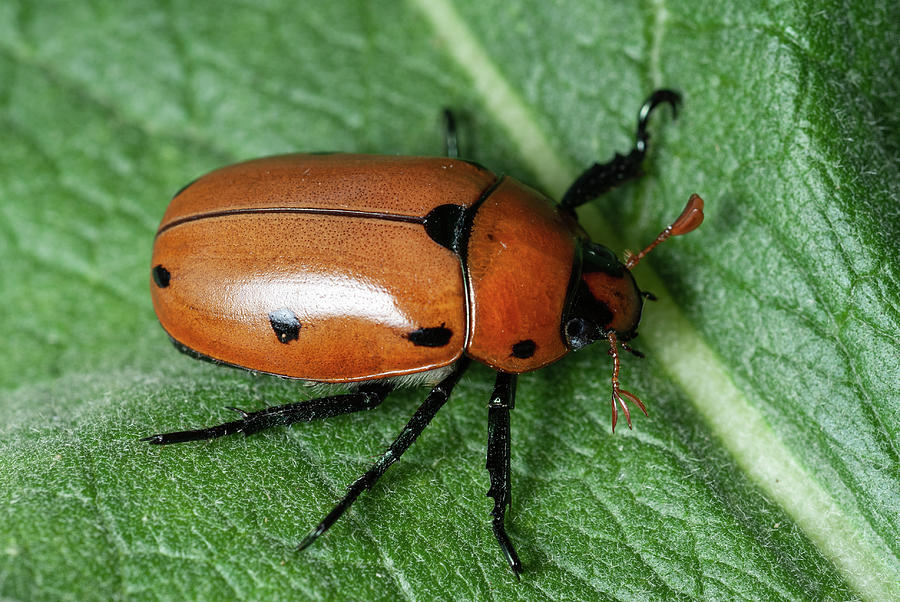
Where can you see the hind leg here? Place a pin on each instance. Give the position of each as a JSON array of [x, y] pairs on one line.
[[429, 408], [366, 398]]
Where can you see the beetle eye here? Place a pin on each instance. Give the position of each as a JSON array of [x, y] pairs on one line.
[[600, 252], [574, 328], [598, 258], [578, 334]]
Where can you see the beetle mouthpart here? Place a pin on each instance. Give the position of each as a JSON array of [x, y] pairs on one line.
[[617, 397], [632, 350], [690, 218], [618, 392]]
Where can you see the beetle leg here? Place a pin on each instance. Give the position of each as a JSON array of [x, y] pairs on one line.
[[602, 177], [451, 143], [618, 392], [435, 400], [498, 455], [366, 398], [632, 350]]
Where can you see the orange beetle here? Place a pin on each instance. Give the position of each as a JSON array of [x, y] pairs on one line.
[[377, 271]]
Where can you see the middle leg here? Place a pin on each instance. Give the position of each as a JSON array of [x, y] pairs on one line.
[[429, 408], [451, 144], [498, 454]]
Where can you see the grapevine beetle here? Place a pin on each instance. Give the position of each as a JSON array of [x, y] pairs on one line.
[[381, 271]]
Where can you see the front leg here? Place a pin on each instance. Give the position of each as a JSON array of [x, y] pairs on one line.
[[498, 453], [602, 177]]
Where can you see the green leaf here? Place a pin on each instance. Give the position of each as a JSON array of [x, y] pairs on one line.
[[769, 465]]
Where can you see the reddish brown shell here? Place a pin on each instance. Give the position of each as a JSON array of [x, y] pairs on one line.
[[621, 296], [317, 266], [520, 256]]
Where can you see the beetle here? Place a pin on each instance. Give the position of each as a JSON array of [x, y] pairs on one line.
[[381, 271]]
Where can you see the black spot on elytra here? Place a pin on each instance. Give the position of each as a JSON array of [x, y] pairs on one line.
[[444, 224], [285, 324], [161, 276], [524, 349], [436, 336]]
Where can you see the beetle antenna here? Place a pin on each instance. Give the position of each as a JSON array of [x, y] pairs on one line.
[[690, 218], [617, 391]]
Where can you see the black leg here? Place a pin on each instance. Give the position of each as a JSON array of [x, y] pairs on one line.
[[451, 144], [600, 178], [366, 398], [435, 400], [498, 451]]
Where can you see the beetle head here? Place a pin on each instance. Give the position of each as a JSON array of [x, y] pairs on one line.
[[606, 299]]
